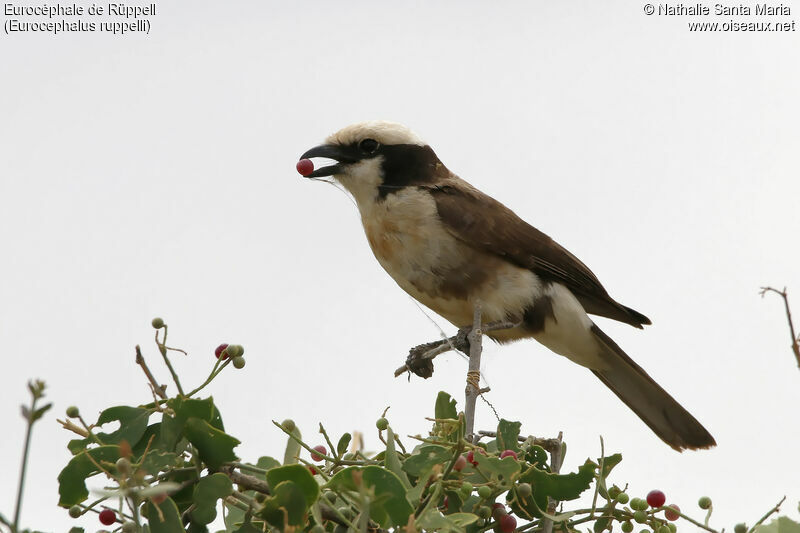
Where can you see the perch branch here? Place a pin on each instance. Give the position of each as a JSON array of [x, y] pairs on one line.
[[555, 467], [472, 391]]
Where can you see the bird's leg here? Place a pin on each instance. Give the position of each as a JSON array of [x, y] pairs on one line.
[[420, 358]]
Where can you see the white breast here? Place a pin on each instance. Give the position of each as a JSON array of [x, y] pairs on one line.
[[415, 248]]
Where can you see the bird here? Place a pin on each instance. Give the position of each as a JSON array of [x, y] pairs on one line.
[[449, 245]]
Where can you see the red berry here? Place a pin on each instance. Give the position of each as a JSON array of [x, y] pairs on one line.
[[460, 463], [671, 512], [316, 456], [305, 167], [312, 470], [508, 453], [445, 503], [107, 517], [471, 456], [498, 511], [158, 498], [507, 523], [656, 498], [218, 351]]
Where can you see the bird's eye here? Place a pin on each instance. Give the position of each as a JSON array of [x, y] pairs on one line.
[[368, 146]]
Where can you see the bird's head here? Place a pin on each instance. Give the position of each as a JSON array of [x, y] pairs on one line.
[[374, 159]]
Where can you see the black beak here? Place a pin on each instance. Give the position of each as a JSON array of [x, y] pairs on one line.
[[343, 154]]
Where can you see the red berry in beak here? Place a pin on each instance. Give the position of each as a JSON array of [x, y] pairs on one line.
[[305, 167]]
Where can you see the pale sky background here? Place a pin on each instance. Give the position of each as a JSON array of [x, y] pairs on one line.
[[153, 175]]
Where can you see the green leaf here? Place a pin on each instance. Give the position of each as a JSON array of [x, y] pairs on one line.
[[507, 435], [560, 487], [504, 470], [392, 460], [214, 446], [132, 426], [168, 521], [157, 460], [287, 505], [389, 508], [537, 456], [783, 524], [425, 458], [455, 522], [609, 463], [297, 474], [195, 527], [185, 408], [72, 479], [267, 463], [247, 527], [206, 493], [344, 442], [37, 414], [445, 406]]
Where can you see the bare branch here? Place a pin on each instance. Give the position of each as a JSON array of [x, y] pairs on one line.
[[795, 338], [159, 389], [473, 390]]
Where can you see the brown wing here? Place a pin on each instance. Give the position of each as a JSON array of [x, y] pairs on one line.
[[482, 222]]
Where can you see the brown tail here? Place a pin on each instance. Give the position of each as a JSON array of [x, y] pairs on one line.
[[665, 416]]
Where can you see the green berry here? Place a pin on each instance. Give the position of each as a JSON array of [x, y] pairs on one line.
[[288, 425], [158, 323], [704, 502], [123, 465], [330, 496], [73, 412], [740, 528], [622, 498], [672, 527], [613, 492], [346, 512], [484, 491], [484, 512], [233, 350], [645, 531], [238, 361], [382, 424], [524, 489], [129, 527], [466, 487], [638, 504], [317, 529], [640, 516], [75, 511], [664, 529], [627, 527]]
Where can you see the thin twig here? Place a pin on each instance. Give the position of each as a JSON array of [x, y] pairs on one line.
[[162, 348], [159, 389], [795, 338], [472, 390], [770, 512]]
